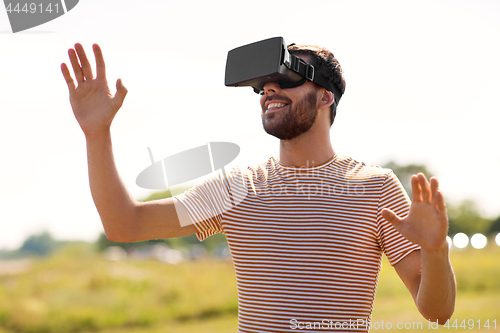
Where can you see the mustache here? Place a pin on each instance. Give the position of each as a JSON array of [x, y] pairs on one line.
[[277, 97]]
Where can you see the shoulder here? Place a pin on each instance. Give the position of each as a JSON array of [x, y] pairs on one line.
[[259, 171], [354, 169]]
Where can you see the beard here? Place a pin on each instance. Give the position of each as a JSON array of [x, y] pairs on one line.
[[291, 123]]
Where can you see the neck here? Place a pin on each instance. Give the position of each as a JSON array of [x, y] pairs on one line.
[[309, 149]]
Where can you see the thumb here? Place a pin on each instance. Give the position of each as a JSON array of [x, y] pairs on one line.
[[392, 218], [121, 91]]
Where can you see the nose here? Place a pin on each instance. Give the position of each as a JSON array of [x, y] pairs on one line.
[[271, 88]]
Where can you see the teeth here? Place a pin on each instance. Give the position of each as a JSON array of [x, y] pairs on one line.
[[275, 105]]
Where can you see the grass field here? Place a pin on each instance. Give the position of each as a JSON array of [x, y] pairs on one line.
[[478, 298], [76, 290]]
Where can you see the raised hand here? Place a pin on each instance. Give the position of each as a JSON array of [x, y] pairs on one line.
[[93, 104], [427, 222]]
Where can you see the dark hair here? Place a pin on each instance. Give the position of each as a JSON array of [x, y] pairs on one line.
[[325, 62]]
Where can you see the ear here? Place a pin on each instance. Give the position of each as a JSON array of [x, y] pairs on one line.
[[327, 98]]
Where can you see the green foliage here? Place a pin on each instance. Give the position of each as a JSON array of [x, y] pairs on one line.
[[476, 273], [158, 196], [214, 242], [11, 255], [210, 244], [404, 173], [163, 194], [76, 290], [464, 217], [467, 218], [41, 244], [103, 242], [495, 226]]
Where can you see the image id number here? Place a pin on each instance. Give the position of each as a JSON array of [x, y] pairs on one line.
[[32, 8], [471, 324]]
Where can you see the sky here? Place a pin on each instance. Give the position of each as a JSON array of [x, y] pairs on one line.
[[423, 80]]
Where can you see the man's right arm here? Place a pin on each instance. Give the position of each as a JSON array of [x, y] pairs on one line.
[[124, 219]]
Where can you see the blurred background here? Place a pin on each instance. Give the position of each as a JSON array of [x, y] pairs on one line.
[[422, 87]]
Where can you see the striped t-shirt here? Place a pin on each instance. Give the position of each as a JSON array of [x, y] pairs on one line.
[[306, 243]]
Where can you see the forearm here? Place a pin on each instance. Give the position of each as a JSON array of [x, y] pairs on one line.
[[115, 205], [436, 293]]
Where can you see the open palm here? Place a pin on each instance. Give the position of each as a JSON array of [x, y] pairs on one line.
[[427, 222], [93, 104]]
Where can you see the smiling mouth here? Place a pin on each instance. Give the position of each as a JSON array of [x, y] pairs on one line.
[[275, 106]]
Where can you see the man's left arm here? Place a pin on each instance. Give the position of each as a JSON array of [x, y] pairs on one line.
[[427, 273]]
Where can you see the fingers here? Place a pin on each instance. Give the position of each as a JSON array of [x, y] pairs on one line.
[[441, 206], [421, 189], [99, 60], [67, 77], [434, 191], [76, 66], [437, 196], [81, 65], [392, 218], [86, 69], [120, 88], [416, 191], [121, 92], [434, 185], [425, 187]]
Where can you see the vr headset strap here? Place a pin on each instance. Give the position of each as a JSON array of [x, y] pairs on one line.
[[307, 71]]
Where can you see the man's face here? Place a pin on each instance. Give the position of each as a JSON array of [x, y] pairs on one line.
[[288, 113]]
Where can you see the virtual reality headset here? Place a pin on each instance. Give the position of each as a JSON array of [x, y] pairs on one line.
[[268, 60]]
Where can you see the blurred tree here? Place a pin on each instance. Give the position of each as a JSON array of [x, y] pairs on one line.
[[495, 226], [211, 243], [41, 244], [467, 218], [214, 242], [103, 242], [158, 196], [404, 173]]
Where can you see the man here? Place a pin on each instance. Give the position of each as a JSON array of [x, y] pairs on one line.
[[309, 230]]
